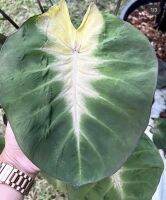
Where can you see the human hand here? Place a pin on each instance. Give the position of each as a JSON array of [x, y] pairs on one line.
[[12, 154]]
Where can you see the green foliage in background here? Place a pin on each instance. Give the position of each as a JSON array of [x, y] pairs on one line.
[[136, 180], [19, 11], [159, 131]]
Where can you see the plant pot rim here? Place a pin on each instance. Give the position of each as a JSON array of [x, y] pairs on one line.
[[131, 5], [161, 84], [127, 9]]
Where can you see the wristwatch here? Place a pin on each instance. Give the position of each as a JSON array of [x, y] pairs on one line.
[[15, 178]]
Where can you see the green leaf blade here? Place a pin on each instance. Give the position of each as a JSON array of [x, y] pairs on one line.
[[137, 179], [77, 100]]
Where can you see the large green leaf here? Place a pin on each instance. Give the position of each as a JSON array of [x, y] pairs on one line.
[[136, 180], [78, 100], [159, 134]]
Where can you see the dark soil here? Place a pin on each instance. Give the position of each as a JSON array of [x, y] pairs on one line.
[[144, 20]]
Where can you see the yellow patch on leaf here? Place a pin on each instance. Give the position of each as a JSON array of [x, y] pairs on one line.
[[66, 37], [73, 49]]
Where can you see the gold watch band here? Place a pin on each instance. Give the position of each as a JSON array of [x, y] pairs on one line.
[[15, 178]]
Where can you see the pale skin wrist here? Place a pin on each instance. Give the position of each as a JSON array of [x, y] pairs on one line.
[[6, 191], [13, 155], [23, 163]]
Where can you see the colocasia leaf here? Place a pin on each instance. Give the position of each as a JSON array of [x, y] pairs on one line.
[[159, 135], [78, 100], [137, 179]]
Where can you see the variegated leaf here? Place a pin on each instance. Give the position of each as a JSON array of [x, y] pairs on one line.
[[79, 99], [136, 180]]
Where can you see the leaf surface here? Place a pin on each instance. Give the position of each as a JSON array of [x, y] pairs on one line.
[[159, 134], [136, 180], [78, 100]]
